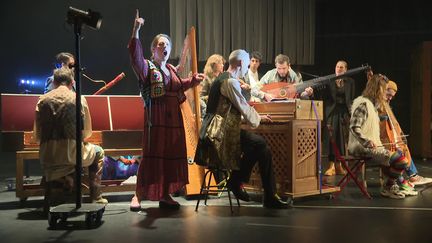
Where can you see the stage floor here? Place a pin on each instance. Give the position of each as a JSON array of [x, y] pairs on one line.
[[350, 218]]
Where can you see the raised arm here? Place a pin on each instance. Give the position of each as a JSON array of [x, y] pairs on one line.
[[137, 25], [139, 64]]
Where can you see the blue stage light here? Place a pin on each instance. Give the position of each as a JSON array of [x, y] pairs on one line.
[[31, 85]]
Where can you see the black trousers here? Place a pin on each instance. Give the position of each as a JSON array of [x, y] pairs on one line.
[[255, 149]]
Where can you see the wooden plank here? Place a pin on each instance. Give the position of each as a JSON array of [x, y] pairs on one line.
[[421, 101], [325, 190]]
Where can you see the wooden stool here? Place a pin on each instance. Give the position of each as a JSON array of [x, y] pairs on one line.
[[206, 188]]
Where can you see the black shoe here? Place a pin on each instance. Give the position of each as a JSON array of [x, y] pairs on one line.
[[276, 203], [238, 191], [169, 205], [135, 205], [135, 209]]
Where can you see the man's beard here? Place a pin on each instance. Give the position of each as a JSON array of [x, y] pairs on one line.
[[284, 78]]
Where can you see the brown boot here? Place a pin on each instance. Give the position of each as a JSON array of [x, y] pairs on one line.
[[340, 169], [331, 171]]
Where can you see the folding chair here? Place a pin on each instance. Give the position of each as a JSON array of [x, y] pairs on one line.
[[357, 163]]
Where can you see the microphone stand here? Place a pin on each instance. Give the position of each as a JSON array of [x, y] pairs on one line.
[[78, 164], [93, 212]]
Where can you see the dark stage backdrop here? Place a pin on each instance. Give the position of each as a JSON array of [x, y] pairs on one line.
[[381, 33], [34, 31]]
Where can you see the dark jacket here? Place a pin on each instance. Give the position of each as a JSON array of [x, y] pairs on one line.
[[328, 95]]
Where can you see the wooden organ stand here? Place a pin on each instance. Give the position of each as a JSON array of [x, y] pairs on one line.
[[293, 139]]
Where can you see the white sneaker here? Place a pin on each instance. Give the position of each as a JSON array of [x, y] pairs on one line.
[[392, 192], [418, 180], [406, 189]]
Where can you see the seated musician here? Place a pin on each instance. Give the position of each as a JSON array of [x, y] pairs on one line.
[[364, 137], [55, 130], [226, 92], [413, 177], [252, 78], [62, 59], [282, 73], [213, 68]]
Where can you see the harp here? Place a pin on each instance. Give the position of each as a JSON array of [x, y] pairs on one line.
[[191, 112]]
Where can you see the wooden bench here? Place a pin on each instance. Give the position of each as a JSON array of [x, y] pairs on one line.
[[24, 191], [117, 123]]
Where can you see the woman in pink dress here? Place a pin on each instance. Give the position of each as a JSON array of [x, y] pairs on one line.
[[163, 169]]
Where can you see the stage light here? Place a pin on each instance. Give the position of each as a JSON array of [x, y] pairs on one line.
[[90, 18], [30, 86]]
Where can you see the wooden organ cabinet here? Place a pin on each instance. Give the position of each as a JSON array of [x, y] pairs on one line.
[[420, 139], [293, 139]]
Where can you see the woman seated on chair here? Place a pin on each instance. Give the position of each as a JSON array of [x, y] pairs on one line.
[[364, 137]]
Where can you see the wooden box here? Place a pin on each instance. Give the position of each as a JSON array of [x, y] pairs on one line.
[[291, 109]]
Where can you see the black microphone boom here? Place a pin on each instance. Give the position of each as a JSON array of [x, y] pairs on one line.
[[90, 18]]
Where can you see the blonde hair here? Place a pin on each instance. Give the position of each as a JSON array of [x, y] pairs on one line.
[[375, 89], [392, 85], [210, 65], [281, 59]]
